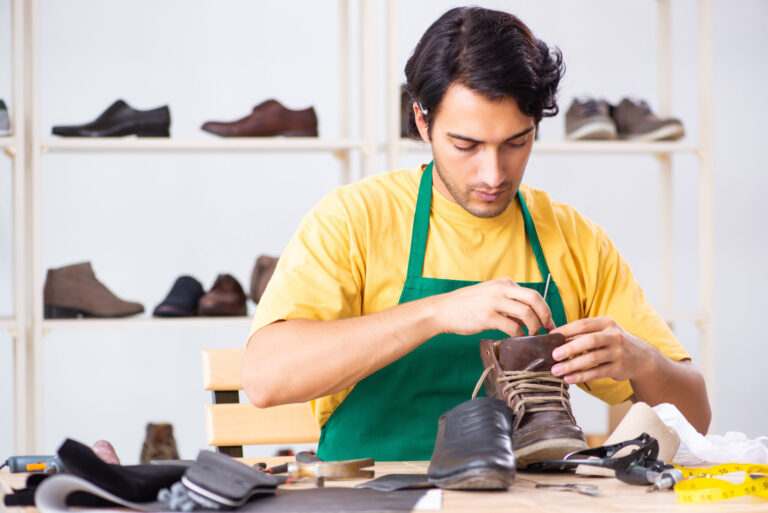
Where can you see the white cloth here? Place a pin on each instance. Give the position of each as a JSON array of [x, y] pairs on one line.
[[696, 449]]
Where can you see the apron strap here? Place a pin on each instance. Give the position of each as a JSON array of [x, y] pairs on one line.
[[421, 229], [420, 225], [533, 237]]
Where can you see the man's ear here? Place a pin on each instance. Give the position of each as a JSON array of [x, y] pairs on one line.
[[421, 123]]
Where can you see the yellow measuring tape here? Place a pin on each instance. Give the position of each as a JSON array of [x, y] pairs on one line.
[[699, 485]]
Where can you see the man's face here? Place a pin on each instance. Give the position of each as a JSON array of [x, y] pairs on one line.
[[480, 149]]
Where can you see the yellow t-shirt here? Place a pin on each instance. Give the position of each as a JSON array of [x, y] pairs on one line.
[[349, 257]]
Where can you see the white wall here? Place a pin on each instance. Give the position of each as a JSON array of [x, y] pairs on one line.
[[142, 220]]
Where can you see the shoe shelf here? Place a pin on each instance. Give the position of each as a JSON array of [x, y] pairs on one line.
[[230, 144], [243, 322], [587, 147]]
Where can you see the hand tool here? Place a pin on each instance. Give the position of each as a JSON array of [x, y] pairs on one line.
[[308, 465], [585, 489], [666, 480], [37, 464]]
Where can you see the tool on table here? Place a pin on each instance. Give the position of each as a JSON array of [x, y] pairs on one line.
[[586, 489], [38, 464], [666, 480], [309, 467], [639, 467]]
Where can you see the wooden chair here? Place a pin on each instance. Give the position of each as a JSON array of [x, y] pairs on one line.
[[230, 424]]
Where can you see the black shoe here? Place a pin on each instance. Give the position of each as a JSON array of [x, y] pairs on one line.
[[182, 300], [5, 123], [122, 119], [473, 449]]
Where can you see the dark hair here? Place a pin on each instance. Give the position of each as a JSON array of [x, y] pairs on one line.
[[490, 52]]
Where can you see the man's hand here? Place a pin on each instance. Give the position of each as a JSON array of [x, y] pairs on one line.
[[600, 349], [499, 304]]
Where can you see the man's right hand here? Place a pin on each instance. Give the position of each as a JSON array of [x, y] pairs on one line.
[[334, 355], [499, 304]]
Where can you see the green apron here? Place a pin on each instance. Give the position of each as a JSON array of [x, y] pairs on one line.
[[392, 414]]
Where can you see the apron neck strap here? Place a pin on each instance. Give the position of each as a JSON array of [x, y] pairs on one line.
[[421, 229]]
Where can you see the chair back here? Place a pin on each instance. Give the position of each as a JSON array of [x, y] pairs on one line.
[[230, 424]]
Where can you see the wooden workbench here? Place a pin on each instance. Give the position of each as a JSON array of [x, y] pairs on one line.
[[523, 496]]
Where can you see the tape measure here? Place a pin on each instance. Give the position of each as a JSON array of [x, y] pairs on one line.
[[700, 487]]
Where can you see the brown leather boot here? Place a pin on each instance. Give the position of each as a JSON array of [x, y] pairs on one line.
[[269, 118], [226, 297], [159, 444], [518, 371], [262, 272], [73, 291]]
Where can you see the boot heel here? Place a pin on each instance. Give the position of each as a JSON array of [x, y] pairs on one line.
[[153, 131], [60, 312]]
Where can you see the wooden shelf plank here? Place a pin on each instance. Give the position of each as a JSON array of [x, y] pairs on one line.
[[587, 147], [240, 322], [230, 144]]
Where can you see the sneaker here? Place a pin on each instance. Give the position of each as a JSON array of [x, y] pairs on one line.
[[636, 122], [517, 370], [589, 120]]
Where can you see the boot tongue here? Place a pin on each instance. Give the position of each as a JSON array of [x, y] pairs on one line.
[[529, 353]]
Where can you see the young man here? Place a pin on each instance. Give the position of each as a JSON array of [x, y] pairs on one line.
[[378, 303]]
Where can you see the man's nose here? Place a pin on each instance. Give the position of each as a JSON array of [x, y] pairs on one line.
[[490, 172]]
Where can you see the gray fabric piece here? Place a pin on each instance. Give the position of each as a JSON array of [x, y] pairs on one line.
[[342, 500], [392, 482], [52, 493]]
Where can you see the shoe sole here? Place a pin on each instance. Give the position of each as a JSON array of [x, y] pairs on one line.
[[60, 312], [546, 450], [600, 130], [477, 479], [665, 133]]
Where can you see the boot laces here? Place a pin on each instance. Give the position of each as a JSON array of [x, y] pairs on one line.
[[533, 388]]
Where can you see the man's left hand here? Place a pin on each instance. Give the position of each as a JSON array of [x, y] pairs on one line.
[[600, 349]]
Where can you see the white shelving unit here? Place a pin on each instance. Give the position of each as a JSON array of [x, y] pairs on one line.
[[28, 325], [662, 151], [27, 149]]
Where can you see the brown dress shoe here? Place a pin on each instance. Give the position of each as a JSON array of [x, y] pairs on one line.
[[73, 291], [159, 444], [518, 371], [268, 119], [262, 272], [226, 297]]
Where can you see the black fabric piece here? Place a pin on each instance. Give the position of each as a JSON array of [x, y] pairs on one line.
[[26, 496], [340, 500], [136, 483], [392, 482]]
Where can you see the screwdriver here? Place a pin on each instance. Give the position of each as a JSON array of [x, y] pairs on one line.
[[38, 464]]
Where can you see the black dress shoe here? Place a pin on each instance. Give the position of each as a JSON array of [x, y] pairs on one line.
[[182, 300], [122, 119], [473, 449]]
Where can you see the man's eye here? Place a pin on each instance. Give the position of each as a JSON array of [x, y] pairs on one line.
[[519, 143], [465, 148]]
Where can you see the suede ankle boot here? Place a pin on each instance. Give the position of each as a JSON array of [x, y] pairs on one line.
[[73, 291], [518, 371]]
